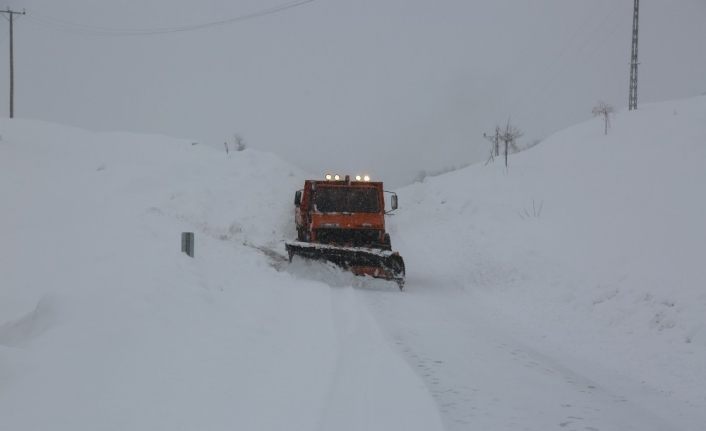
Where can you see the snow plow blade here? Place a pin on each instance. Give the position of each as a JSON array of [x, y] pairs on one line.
[[374, 262]]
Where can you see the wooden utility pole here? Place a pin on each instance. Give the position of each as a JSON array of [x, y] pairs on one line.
[[11, 14]]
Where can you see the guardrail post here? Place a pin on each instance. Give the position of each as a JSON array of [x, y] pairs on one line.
[[187, 243]]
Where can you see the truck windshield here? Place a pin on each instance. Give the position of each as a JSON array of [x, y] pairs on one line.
[[346, 200]]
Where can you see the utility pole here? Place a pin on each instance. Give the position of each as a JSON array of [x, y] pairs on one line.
[[495, 140], [632, 103], [11, 14]]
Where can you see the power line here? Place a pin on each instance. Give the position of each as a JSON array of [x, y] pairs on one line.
[[545, 92], [126, 32], [552, 69]]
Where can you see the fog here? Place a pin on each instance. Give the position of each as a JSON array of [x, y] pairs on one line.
[[385, 87]]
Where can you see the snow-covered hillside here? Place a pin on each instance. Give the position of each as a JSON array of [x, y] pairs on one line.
[[566, 293], [590, 247]]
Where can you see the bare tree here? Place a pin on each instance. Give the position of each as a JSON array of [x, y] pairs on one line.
[[508, 136], [419, 178], [239, 142], [605, 110]]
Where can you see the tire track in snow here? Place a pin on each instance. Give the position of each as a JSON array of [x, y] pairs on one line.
[[371, 386], [483, 378], [32, 324]]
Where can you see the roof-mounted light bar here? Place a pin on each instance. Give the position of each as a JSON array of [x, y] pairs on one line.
[[337, 177]]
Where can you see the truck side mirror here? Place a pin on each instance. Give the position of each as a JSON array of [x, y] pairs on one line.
[[298, 198], [393, 202]]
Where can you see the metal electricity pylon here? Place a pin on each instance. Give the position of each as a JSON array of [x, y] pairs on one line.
[[11, 14], [632, 103]]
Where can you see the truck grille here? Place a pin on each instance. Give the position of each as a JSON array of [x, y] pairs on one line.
[[353, 237]]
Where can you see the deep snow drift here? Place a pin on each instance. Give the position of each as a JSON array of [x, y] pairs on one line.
[[566, 293]]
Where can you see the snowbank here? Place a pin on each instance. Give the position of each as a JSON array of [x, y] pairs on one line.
[[591, 246], [105, 324]]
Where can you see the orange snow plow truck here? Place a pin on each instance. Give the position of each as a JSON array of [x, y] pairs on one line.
[[342, 221]]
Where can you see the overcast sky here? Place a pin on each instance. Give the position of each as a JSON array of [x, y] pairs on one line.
[[388, 87]]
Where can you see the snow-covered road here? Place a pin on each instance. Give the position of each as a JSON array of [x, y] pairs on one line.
[[370, 388], [484, 376]]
